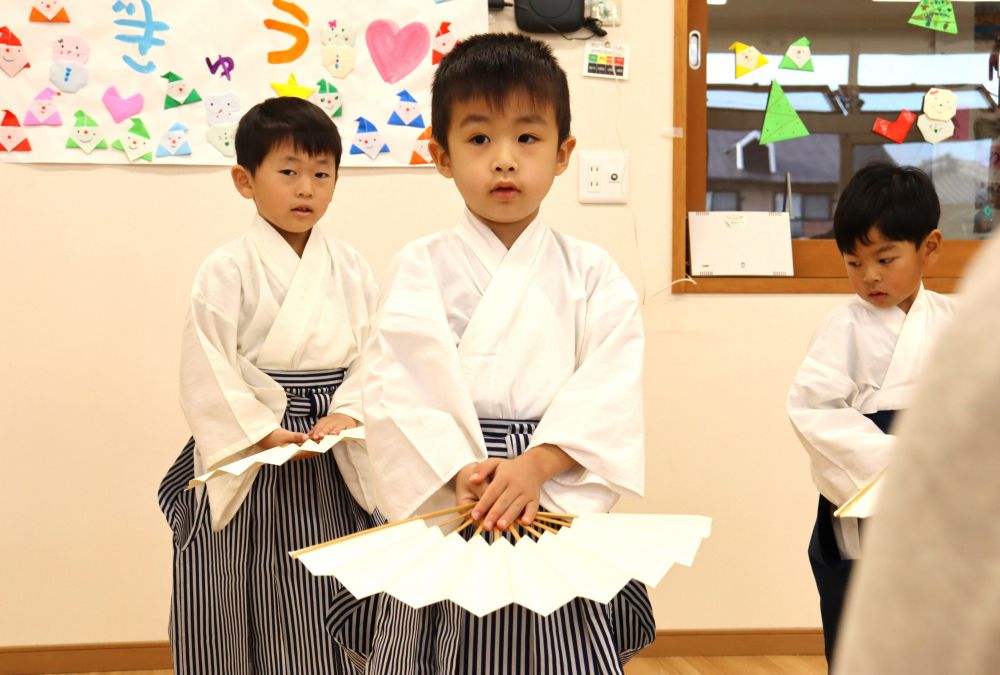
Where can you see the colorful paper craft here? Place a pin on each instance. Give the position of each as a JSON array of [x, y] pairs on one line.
[[292, 88], [798, 56], [396, 52], [179, 92], [444, 42], [222, 109], [421, 149], [71, 49], [936, 15], [407, 112], [13, 138], [135, 143], [328, 98], [339, 60], [895, 131], [367, 140], [48, 11], [748, 59], [42, 111], [781, 122], [122, 108], [338, 32], [935, 131], [940, 104], [223, 139], [87, 134], [174, 143], [12, 57]]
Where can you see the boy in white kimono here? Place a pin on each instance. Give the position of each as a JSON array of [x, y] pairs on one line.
[[277, 321], [505, 370], [865, 358]]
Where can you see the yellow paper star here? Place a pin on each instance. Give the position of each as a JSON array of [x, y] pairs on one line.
[[292, 88]]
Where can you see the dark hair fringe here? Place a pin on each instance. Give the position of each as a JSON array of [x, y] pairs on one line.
[[285, 119], [899, 201], [493, 67]]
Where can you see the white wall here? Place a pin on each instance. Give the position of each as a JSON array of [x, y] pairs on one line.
[[95, 266]]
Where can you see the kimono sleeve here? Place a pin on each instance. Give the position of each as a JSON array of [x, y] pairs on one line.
[[597, 415], [363, 303], [846, 449], [228, 402]]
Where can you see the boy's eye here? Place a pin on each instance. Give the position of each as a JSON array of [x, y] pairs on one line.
[[853, 263], [527, 138], [885, 261], [287, 172], [479, 139], [322, 174]]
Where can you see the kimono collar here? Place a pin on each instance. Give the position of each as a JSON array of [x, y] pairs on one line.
[[487, 246], [276, 253], [894, 314]]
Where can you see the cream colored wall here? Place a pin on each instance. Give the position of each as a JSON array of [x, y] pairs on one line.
[[95, 265]]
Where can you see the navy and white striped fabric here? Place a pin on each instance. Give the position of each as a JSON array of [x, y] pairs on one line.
[[582, 638], [240, 603]]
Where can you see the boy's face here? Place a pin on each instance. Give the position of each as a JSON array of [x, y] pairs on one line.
[[503, 161], [291, 189], [886, 272]]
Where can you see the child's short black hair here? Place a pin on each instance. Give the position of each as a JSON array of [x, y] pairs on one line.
[[898, 200], [492, 67], [285, 119]]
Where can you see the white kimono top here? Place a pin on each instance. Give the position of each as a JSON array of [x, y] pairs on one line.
[[925, 599], [862, 359], [549, 330], [257, 306]]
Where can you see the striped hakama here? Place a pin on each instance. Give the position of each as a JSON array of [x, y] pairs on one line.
[[583, 638], [240, 603]]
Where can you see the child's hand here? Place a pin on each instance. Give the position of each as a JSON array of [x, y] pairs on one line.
[[281, 436], [331, 425], [467, 492]]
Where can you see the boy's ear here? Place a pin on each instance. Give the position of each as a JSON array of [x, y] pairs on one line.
[[932, 247], [441, 158], [563, 154], [243, 181]]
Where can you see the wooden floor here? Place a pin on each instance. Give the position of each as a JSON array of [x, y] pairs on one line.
[[681, 665]]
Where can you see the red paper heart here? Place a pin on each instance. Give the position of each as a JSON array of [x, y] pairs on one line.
[[895, 131]]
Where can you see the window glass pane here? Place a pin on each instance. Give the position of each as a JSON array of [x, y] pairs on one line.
[[868, 62]]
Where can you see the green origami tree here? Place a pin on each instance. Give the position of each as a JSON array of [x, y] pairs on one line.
[[781, 122], [935, 15]]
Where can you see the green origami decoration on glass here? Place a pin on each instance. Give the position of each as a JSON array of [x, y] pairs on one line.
[[798, 56], [935, 15], [781, 122]]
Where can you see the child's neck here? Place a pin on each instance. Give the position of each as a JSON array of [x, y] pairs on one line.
[[508, 234], [297, 240]]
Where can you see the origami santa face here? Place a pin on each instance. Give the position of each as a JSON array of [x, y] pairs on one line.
[[12, 58], [174, 142], [369, 143], [422, 150], [43, 110], [71, 49], [136, 147], [13, 139], [223, 139], [222, 109], [444, 43], [940, 104], [178, 90], [338, 33], [329, 102], [48, 10], [88, 139]]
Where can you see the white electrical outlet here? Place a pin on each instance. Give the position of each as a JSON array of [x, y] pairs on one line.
[[603, 177]]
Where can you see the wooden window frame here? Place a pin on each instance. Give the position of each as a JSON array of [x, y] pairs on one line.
[[818, 265]]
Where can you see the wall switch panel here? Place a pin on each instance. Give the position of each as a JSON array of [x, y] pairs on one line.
[[603, 177]]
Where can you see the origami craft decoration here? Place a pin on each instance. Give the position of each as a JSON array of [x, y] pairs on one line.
[[936, 15], [444, 41], [13, 138], [781, 122], [292, 88], [328, 98], [174, 143], [421, 149], [895, 131], [223, 139], [48, 11], [12, 57], [122, 108], [407, 112], [222, 109], [368, 140], [748, 59], [42, 110], [135, 143], [558, 558], [798, 56], [179, 92], [87, 134]]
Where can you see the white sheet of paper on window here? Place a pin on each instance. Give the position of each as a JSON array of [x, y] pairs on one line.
[[740, 243]]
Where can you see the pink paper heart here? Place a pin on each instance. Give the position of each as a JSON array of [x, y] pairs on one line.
[[122, 108], [396, 52]]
